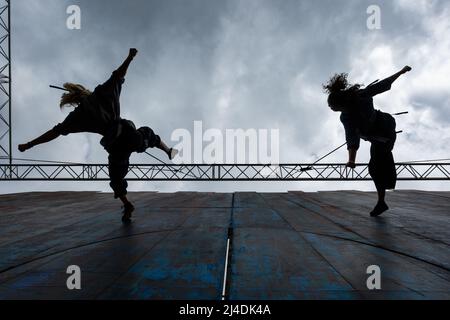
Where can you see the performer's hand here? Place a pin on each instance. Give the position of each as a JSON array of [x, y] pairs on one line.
[[351, 165], [133, 53], [406, 69], [23, 147]]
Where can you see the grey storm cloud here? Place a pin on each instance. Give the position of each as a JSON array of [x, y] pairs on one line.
[[232, 64]]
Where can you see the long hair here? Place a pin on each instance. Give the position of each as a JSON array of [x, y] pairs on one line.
[[72, 98], [340, 91], [339, 82]]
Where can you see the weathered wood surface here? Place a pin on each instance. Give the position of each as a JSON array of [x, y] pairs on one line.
[[284, 245]]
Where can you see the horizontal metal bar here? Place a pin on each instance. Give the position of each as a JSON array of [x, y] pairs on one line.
[[284, 165], [219, 172]]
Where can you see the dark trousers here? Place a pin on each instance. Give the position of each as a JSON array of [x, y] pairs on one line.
[[382, 166]]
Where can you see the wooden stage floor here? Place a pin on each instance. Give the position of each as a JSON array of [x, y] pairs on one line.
[[283, 246]]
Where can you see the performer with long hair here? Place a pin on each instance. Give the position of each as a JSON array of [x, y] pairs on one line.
[[99, 112], [361, 120]]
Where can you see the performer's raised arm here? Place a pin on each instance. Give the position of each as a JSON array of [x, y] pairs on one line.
[[122, 70], [385, 85], [395, 76]]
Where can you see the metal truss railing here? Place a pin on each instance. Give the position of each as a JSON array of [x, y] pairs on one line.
[[5, 80], [218, 172]]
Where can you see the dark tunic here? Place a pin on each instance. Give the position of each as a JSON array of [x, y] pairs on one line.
[[98, 112], [363, 121]]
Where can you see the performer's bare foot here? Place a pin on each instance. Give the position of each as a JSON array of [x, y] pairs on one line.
[[379, 209], [172, 153], [128, 209]]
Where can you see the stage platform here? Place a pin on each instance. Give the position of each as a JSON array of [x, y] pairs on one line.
[[291, 245]]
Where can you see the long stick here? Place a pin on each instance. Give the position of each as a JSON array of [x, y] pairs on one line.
[[330, 153], [156, 158], [59, 88]]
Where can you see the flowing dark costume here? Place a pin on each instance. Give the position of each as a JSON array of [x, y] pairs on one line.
[[363, 121], [100, 113]]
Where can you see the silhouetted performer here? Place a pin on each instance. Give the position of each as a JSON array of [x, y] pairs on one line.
[[99, 112], [361, 120]]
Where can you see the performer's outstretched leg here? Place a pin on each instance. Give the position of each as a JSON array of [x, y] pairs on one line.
[[152, 140], [46, 137]]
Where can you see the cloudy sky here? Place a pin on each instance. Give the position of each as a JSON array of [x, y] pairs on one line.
[[233, 64]]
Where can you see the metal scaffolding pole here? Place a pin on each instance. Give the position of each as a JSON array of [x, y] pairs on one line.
[[5, 82], [10, 82]]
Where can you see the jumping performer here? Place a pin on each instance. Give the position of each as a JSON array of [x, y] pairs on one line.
[[361, 120], [99, 112]]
